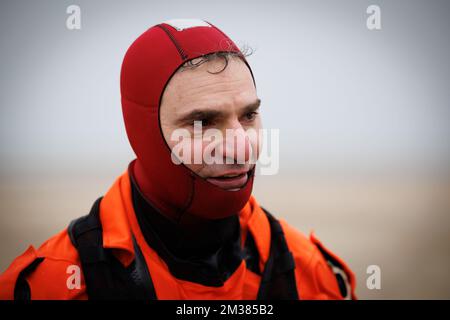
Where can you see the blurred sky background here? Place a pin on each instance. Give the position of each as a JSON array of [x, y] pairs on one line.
[[364, 119]]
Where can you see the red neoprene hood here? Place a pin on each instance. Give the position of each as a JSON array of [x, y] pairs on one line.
[[147, 68]]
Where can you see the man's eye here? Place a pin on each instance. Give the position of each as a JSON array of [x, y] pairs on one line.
[[203, 122], [251, 116]]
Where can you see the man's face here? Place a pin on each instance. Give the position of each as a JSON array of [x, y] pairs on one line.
[[225, 102]]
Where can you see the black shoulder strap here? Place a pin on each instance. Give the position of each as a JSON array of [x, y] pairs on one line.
[[105, 277], [278, 279]]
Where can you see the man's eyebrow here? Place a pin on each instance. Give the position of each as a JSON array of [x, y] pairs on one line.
[[199, 114], [252, 107], [209, 114]]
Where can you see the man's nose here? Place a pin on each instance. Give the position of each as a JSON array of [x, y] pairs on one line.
[[237, 144]]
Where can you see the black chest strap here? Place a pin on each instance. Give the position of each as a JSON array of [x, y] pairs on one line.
[[107, 279], [278, 278]]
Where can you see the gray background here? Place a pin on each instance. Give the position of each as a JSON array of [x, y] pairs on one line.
[[364, 121]]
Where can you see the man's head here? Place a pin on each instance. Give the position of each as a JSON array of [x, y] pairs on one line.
[[169, 80], [218, 94]]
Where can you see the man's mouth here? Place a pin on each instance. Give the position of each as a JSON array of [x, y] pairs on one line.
[[230, 181]]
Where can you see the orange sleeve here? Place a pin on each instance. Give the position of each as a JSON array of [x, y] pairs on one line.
[[58, 276], [348, 274], [57, 280], [8, 278], [314, 277]]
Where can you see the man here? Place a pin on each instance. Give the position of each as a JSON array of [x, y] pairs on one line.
[[170, 227]]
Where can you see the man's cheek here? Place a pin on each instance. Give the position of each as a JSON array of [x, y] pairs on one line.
[[255, 140], [184, 148], [255, 151]]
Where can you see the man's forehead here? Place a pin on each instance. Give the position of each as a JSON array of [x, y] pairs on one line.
[[203, 80], [228, 90]]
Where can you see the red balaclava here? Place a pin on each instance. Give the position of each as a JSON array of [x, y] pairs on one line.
[[149, 64]]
